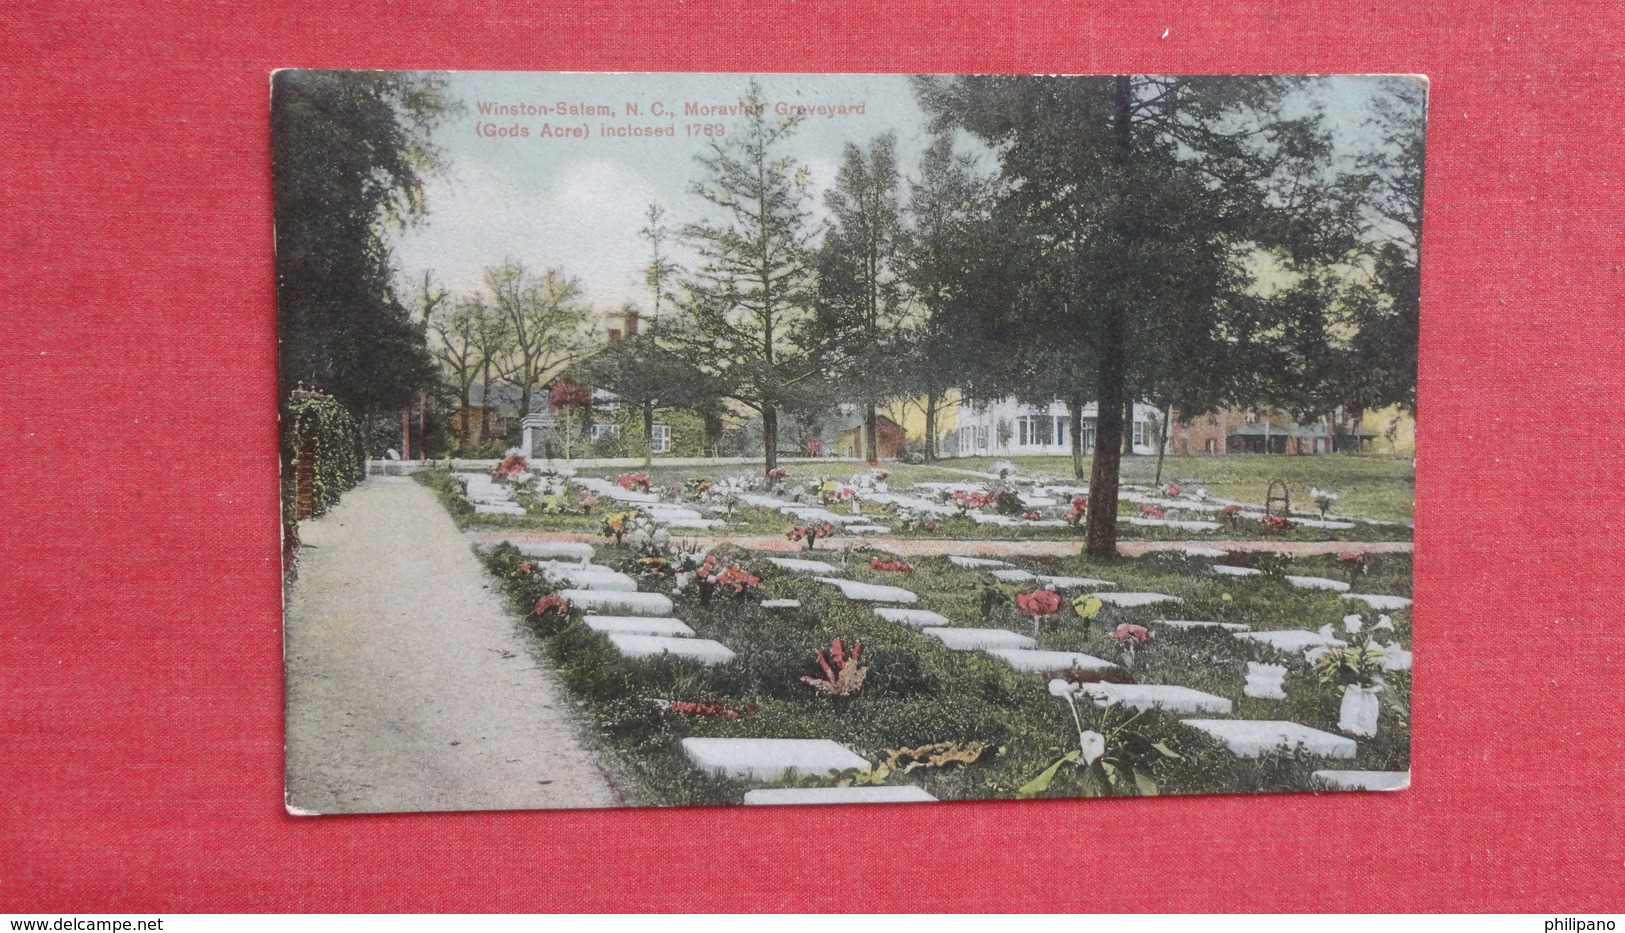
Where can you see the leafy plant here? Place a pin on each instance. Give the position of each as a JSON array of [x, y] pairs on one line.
[[843, 674], [1350, 666]]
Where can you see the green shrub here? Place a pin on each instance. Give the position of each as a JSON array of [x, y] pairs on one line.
[[318, 423]]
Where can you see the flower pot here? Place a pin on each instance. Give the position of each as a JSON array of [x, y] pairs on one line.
[[1358, 715]]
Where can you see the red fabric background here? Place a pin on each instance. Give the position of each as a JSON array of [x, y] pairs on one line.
[[140, 654]]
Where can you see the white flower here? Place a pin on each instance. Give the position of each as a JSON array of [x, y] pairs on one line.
[[1385, 622], [1326, 631], [1092, 745], [1352, 622], [1062, 688]]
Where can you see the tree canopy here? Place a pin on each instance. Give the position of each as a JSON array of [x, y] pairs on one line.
[[349, 152]]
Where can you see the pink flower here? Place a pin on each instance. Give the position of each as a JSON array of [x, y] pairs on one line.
[[1038, 603], [1152, 511], [554, 605], [1127, 632]]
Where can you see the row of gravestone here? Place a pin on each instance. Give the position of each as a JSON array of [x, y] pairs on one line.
[[641, 626]]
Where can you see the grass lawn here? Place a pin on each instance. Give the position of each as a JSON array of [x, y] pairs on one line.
[[917, 692]]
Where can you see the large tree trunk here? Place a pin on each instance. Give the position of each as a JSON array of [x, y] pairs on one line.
[[930, 449], [770, 436], [485, 406], [1162, 441], [871, 431], [713, 433], [1103, 480], [1074, 418], [648, 431], [1128, 422]]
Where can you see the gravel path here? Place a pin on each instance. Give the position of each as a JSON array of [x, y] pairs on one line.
[[409, 686]]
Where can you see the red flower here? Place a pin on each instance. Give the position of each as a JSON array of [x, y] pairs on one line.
[[634, 482], [1129, 632], [1172, 490], [1351, 557], [510, 467], [898, 566], [1152, 511], [1031, 516], [1277, 523], [525, 567], [1039, 603], [551, 604], [1229, 512]]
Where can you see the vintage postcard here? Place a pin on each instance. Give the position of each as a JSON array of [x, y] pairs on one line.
[[676, 439]]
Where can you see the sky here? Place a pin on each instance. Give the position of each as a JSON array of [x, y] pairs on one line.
[[577, 204]]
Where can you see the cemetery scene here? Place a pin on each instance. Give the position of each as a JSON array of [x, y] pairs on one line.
[[844, 439]]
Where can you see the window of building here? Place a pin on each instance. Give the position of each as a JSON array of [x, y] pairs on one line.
[[602, 430], [1060, 430], [1212, 446], [1140, 434], [1035, 431], [1088, 435], [660, 439]]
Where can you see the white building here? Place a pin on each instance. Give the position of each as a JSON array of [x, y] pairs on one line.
[[1008, 427]]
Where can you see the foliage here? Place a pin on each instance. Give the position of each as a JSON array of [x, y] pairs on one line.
[[843, 672], [747, 318], [1351, 665], [349, 153], [318, 422]]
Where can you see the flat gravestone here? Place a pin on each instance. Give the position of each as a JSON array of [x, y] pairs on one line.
[[975, 563], [637, 625], [803, 566], [1225, 570], [1170, 699], [666, 513], [601, 581], [703, 650], [781, 604], [481, 508], [1253, 738], [1031, 661], [1072, 583], [972, 639], [1188, 624], [606, 602], [1174, 523], [1293, 639], [1203, 552], [692, 522], [1380, 602], [1013, 576], [982, 519], [769, 759], [1316, 583], [556, 550], [1130, 600], [1365, 780], [791, 796], [1323, 523], [868, 530], [870, 592], [913, 618]]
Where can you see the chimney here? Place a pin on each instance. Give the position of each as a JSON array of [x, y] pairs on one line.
[[631, 322], [614, 335]]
